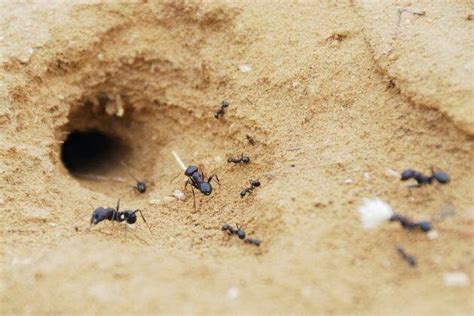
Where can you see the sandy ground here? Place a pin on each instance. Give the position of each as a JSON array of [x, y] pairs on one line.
[[339, 98]]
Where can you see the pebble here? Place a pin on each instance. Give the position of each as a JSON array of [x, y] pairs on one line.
[[432, 234], [245, 68], [366, 176], [456, 279], [348, 181], [233, 293]]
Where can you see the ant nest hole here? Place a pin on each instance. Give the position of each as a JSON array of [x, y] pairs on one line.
[[106, 142]]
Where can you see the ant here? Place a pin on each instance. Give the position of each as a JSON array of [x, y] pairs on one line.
[[252, 241], [409, 224], [243, 158], [221, 111], [140, 186], [239, 232], [115, 215], [421, 179], [196, 180], [250, 139], [253, 185], [232, 231], [411, 260]]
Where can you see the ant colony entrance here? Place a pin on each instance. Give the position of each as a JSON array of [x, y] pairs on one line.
[[105, 145]]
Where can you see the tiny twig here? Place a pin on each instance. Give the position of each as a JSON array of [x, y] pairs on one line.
[[179, 161]]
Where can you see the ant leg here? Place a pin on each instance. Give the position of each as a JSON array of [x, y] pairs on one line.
[[118, 205], [194, 197], [189, 181], [143, 217], [172, 180], [217, 179]]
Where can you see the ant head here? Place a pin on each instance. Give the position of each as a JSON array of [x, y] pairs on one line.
[[99, 215], [241, 233], [205, 188], [441, 177], [141, 187], [225, 227], [407, 174], [255, 183], [225, 104], [245, 159], [130, 216]]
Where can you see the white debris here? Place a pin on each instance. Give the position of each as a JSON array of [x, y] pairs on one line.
[[374, 212], [179, 195], [348, 181], [456, 279], [233, 293], [432, 234], [366, 176], [100, 57], [245, 68], [120, 108]]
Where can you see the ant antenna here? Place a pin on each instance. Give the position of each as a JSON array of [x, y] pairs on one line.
[[128, 170], [179, 161], [143, 217]]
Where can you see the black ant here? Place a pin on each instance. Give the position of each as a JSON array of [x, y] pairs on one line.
[[196, 180], [250, 139], [409, 224], [421, 179], [232, 231], [242, 159], [115, 215], [140, 186], [253, 185], [252, 241], [239, 232], [221, 110], [411, 260]]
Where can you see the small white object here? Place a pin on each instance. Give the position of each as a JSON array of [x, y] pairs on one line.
[[245, 68], [374, 212], [179, 161], [179, 195], [100, 57], [366, 176], [233, 293], [432, 234], [456, 279], [348, 181]]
